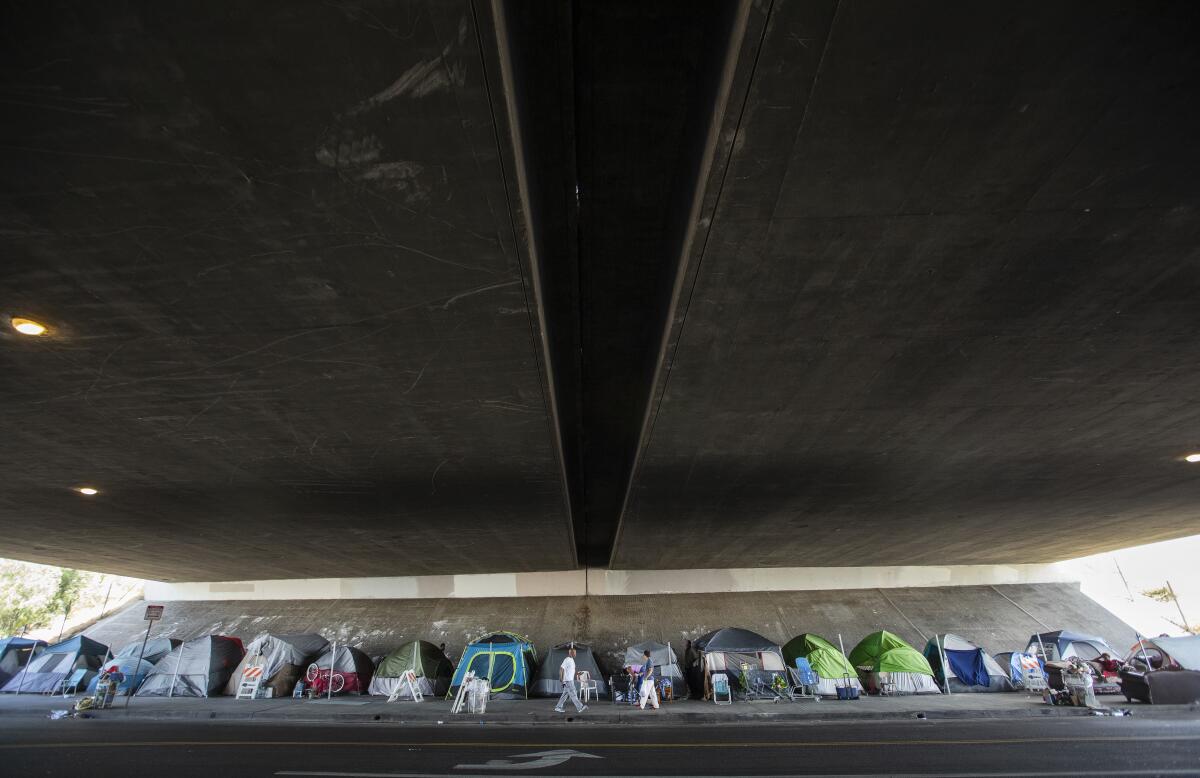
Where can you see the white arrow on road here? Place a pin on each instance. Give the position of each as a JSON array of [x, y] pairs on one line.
[[540, 759]]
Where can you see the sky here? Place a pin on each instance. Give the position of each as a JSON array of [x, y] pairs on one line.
[[1145, 567]]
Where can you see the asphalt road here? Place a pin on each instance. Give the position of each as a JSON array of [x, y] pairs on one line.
[[1059, 746]]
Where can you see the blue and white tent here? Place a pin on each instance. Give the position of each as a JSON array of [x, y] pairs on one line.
[[47, 669], [506, 659], [15, 653], [1061, 645], [967, 667]]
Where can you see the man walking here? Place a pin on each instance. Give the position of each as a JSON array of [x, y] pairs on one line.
[[647, 692], [566, 674]]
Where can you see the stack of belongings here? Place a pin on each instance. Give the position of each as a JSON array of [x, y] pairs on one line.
[[750, 662], [57, 663], [15, 653], [1018, 664], [349, 668], [832, 667], [125, 663], [430, 666], [198, 668], [666, 666], [967, 667], [283, 660], [886, 663]]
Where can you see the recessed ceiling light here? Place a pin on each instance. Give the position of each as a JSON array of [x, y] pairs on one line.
[[89, 491], [28, 327], [1193, 457]]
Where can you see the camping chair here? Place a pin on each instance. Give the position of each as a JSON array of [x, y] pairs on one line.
[[722, 694], [1034, 680], [70, 685], [804, 679], [588, 687]]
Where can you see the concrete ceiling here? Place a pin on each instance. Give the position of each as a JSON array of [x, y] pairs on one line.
[[388, 288]]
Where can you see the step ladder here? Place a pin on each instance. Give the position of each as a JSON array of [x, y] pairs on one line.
[[409, 680], [251, 683]]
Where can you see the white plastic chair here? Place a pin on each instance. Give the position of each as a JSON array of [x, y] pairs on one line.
[[588, 687]]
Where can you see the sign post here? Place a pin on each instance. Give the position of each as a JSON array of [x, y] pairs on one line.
[[153, 614]]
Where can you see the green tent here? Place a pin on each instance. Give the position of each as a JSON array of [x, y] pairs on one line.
[[829, 663], [428, 662], [887, 662]]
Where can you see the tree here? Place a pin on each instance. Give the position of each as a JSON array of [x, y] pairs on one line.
[[24, 600], [1166, 595]]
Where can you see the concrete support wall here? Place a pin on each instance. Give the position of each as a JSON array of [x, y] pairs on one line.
[[998, 617], [611, 582]]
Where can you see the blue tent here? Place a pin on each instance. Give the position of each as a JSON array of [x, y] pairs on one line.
[[46, 670], [132, 672], [14, 654], [506, 659], [1061, 645], [970, 668]]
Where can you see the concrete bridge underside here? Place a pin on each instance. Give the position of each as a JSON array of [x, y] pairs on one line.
[[380, 288]]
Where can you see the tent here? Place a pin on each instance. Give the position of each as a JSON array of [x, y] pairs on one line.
[[883, 658], [128, 666], [666, 664], [56, 663], [971, 669], [1061, 645], [547, 684], [1163, 671], [1181, 653], [197, 668], [506, 659], [1017, 663], [428, 662], [830, 664], [351, 666], [15, 653], [283, 658], [745, 657], [155, 650]]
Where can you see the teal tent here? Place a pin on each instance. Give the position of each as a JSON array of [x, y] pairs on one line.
[[506, 659]]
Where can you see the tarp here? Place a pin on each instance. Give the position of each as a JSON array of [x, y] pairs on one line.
[[666, 664], [156, 649], [1016, 663], [430, 664], [133, 672], [504, 658], [44, 672], [1062, 644], [547, 683], [197, 668], [971, 668], [15, 652], [283, 658], [350, 664], [829, 663]]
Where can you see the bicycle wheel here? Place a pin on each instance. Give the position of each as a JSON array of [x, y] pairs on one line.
[[311, 675], [337, 682]]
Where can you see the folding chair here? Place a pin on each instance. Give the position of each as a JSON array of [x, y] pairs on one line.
[[70, 686], [804, 679], [722, 694]]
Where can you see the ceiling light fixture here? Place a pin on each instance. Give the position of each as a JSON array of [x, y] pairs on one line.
[[28, 327], [89, 491], [1193, 457]]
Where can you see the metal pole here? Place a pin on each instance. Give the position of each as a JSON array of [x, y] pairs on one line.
[[28, 662], [1142, 646], [332, 663], [175, 675], [107, 594], [138, 666], [945, 663], [1186, 627], [63, 626]]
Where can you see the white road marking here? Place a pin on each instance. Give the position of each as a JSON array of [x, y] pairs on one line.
[[540, 759]]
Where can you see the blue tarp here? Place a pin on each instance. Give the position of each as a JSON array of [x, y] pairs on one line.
[[126, 666], [969, 667]]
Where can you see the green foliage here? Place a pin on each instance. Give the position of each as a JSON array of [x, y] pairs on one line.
[[25, 595], [1161, 594], [71, 584]]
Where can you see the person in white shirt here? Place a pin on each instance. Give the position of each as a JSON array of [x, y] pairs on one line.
[[566, 674]]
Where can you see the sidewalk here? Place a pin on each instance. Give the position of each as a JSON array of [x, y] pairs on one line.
[[540, 711]]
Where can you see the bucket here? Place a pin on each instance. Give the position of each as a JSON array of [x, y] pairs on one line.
[[848, 691]]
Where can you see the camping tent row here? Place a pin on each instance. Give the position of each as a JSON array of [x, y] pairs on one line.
[[77, 659]]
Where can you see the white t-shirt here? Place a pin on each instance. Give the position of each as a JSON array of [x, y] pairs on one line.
[[568, 669]]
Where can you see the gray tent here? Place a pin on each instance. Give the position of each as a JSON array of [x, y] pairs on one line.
[[547, 683], [156, 649], [666, 664], [283, 658], [198, 668]]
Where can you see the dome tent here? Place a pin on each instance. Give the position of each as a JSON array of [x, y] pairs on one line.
[[666, 664], [56, 663], [350, 668], [968, 668], [126, 662], [745, 658], [547, 683], [15, 653], [198, 668], [506, 659], [883, 658], [827, 661], [429, 664], [283, 658]]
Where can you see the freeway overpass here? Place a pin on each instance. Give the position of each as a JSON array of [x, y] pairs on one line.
[[417, 288]]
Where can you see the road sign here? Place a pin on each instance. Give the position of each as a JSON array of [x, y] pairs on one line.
[[154, 612]]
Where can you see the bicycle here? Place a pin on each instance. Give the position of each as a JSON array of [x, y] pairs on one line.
[[326, 679]]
